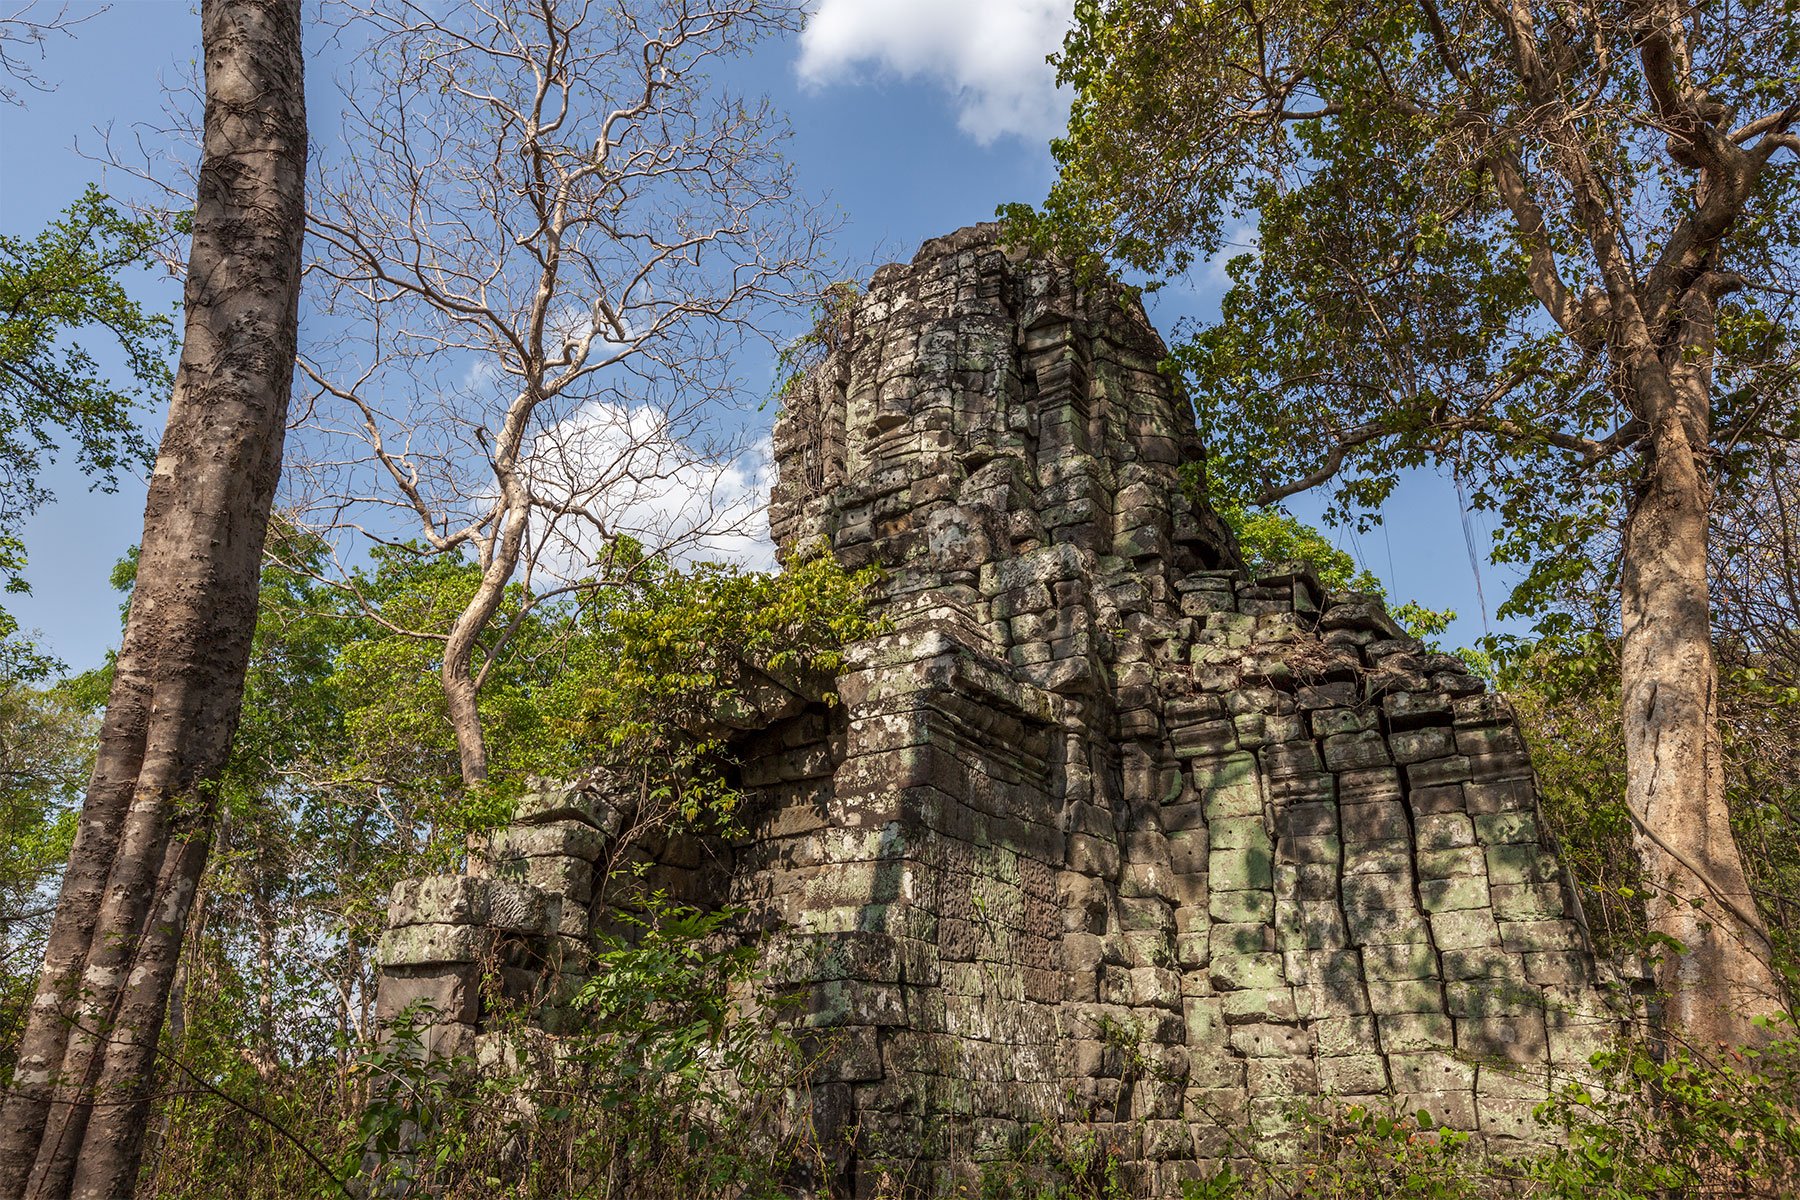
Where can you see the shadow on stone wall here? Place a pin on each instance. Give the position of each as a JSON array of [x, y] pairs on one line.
[[1103, 832]]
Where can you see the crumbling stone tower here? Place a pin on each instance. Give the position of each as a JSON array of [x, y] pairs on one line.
[[1103, 832]]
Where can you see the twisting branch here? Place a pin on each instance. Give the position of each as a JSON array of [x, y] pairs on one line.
[[551, 236]]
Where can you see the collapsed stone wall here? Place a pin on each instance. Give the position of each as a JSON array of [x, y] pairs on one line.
[[1103, 832]]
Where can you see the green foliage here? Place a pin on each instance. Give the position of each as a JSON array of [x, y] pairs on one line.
[[673, 651], [397, 730], [831, 323], [344, 778], [60, 285], [1635, 1129], [1676, 1127], [46, 753], [58, 290], [1564, 688], [664, 1086], [1565, 692], [1353, 1151], [234, 1120], [1268, 536], [1056, 1162], [1391, 313]]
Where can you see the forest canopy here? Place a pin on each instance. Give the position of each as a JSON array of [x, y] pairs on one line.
[[453, 593]]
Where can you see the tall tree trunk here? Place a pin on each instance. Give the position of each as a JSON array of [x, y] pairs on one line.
[[1716, 976], [265, 1055], [462, 683], [73, 1123]]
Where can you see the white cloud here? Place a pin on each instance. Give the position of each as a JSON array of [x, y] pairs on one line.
[[624, 470], [989, 54], [1243, 238]]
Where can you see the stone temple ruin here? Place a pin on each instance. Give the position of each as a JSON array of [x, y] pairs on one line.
[[1103, 831]]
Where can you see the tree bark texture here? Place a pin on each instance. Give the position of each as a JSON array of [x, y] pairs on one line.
[[1714, 973], [462, 681], [73, 1122]]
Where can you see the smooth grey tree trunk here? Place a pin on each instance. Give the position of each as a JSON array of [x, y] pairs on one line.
[[73, 1122], [1714, 971]]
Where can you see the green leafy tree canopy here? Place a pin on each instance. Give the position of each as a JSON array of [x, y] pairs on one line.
[[63, 284]]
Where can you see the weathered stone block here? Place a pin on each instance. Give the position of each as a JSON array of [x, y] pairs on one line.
[[1370, 785], [1096, 817], [1242, 907], [1444, 798], [1565, 969], [1205, 738], [1240, 833], [1489, 740], [1521, 864], [569, 878], [1478, 962], [1464, 929], [1245, 868], [1417, 745], [439, 900], [1345, 1036], [1261, 1004], [1422, 1072], [1527, 937], [550, 803], [1437, 772], [1528, 901], [1267, 1040], [1390, 996], [1286, 759], [1409, 710], [1329, 721], [1487, 796], [1402, 1032], [1275, 1077], [1411, 960], [1362, 749], [421, 945], [1515, 1039], [1241, 937], [1316, 925], [428, 994], [1261, 971], [1449, 864], [1507, 828], [1353, 1075], [1454, 893], [1443, 831]]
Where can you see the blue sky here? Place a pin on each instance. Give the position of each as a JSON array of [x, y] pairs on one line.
[[914, 117]]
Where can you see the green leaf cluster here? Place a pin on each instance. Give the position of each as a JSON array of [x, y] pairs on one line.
[[1269, 536], [46, 753], [665, 1085], [67, 284], [1656, 1126], [1387, 313], [672, 650]]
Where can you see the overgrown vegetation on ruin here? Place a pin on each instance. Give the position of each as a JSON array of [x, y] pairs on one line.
[[425, 600]]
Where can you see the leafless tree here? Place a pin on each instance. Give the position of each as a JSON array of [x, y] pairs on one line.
[[546, 233], [25, 30]]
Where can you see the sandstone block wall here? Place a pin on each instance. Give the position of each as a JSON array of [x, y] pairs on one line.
[[1103, 832]]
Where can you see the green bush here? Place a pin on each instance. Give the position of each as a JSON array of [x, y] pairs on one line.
[[1676, 1127], [664, 1087]]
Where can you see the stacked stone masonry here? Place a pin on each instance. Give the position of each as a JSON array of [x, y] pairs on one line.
[[1103, 832]]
